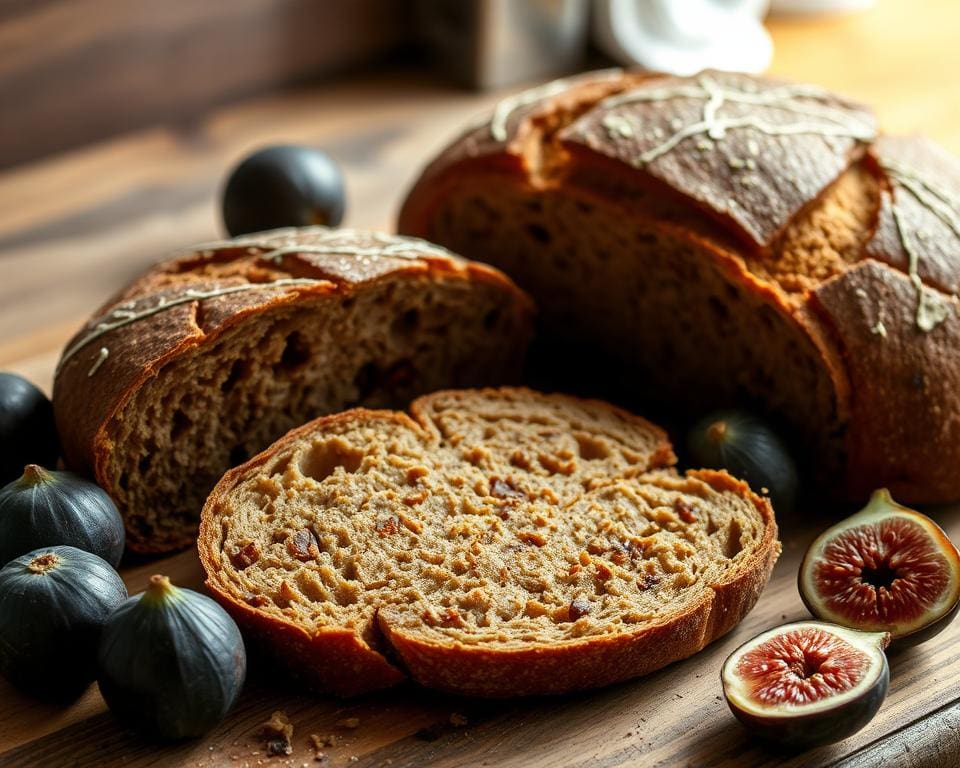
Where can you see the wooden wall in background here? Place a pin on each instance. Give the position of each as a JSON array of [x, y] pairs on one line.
[[74, 71]]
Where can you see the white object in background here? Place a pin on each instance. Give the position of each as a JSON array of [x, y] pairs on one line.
[[684, 37]]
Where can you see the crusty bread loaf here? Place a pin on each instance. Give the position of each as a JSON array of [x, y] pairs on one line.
[[206, 359], [735, 240], [498, 543]]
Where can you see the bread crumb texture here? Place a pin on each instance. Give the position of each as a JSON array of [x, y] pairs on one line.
[[494, 523], [214, 355]]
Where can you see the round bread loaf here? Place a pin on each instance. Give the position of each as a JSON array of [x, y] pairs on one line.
[[206, 359], [493, 543], [733, 240]]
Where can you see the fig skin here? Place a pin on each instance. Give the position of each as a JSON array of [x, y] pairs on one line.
[[44, 508], [171, 662], [748, 449], [27, 429], [828, 724], [283, 186], [880, 506], [54, 602]]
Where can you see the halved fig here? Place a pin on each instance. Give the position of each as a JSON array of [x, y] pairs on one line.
[[808, 683], [885, 569]]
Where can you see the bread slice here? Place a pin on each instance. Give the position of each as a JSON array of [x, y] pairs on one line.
[[731, 240], [492, 543], [210, 357]]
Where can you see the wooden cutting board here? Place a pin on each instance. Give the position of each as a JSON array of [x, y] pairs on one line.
[[676, 717], [74, 228]]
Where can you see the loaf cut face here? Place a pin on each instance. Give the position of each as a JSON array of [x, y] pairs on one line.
[[209, 358], [492, 543], [729, 240]]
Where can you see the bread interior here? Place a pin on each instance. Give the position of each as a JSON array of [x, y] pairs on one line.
[[500, 520], [659, 307], [218, 404]]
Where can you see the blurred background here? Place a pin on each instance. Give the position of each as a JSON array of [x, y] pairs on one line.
[[120, 118]]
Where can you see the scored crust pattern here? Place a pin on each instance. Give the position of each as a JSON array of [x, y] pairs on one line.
[[739, 146], [660, 218], [209, 357], [268, 247]]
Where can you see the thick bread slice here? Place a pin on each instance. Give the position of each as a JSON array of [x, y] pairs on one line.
[[206, 359], [730, 240], [498, 543]]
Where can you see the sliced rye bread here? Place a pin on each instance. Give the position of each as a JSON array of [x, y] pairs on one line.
[[207, 359], [492, 543], [731, 240]]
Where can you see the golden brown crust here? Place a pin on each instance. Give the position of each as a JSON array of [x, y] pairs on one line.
[[923, 183], [101, 369], [906, 412], [611, 150], [345, 664]]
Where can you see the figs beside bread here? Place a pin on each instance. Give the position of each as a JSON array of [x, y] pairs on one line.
[[885, 569], [44, 508], [53, 604], [171, 662], [807, 683]]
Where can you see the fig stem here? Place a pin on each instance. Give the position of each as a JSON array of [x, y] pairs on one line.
[[717, 431], [34, 474], [43, 563], [158, 589]]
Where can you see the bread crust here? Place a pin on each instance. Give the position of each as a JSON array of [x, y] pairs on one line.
[[609, 146], [477, 671], [290, 267]]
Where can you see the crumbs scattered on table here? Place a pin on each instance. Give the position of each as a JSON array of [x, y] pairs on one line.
[[318, 742], [278, 731]]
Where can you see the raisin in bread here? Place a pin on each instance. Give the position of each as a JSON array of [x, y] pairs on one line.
[[207, 359], [492, 543], [733, 240]]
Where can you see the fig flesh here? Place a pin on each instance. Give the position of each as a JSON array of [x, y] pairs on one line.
[[885, 569], [808, 683]]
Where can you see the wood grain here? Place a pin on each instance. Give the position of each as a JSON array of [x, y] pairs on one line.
[[674, 717], [74, 228], [74, 71]]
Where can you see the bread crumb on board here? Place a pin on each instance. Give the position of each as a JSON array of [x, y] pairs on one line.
[[278, 732]]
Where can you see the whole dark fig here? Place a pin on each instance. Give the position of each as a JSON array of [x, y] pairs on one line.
[[171, 662], [885, 569], [283, 186], [53, 604], [45, 509], [27, 430], [748, 449], [807, 683]]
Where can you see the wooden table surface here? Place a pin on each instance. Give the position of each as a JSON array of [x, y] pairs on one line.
[[74, 228]]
